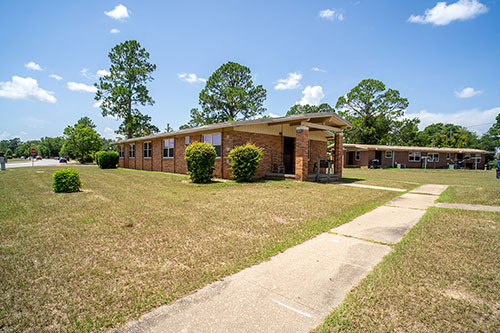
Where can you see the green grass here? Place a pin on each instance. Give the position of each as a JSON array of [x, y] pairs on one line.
[[133, 240], [444, 276], [467, 186]]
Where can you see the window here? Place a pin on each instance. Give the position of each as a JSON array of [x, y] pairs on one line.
[[168, 148], [131, 150], [432, 157], [388, 154], [467, 157], [215, 140], [358, 155], [448, 156], [186, 140], [414, 156], [147, 149], [121, 151]]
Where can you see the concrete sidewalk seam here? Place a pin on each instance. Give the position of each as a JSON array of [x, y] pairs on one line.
[[361, 238]]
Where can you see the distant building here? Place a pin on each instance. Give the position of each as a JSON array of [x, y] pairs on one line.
[[292, 145], [361, 155]]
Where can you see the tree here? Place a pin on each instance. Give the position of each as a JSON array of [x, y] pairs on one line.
[[448, 135], [229, 94], [8, 153], [405, 133], [307, 108], [50, 147], [372, 111], [169, 128], [120, 91], [82, 140], [491, 139]]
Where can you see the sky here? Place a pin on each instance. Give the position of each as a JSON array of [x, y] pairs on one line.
[[443, 56]]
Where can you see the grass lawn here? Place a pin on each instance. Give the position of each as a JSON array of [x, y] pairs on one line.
[[467, 186], [16, 160], [444, 276], [134, 240]]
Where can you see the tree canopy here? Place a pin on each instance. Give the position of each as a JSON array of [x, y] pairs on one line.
[[373, 111], [229, 94], [448, 135], [308, 108], [82, 140], [124, 88], [491, 139]]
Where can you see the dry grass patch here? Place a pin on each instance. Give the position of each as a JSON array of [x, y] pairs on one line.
[[134, 240], [444, 276], [467, 186]]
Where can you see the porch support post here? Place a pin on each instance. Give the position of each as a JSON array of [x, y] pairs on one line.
[[339, 154], [301, 153]]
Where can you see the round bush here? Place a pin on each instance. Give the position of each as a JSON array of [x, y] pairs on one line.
[[245, 162], [66, 181], [200, 160], [96, 156], [108, 159]]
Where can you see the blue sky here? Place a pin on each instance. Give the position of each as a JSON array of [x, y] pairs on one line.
[[443, 57]]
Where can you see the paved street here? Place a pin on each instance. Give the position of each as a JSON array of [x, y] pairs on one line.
[[44, 162]]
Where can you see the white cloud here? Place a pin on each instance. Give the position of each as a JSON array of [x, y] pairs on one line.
[[102, 72], [4, 135], [114, 31], [272, 115], [291, 82], [467, 92], [474, 119], [25, 88], [317, 69], [443, 14], [55, 76], [312, 95], [190, 77], [331, 14], [74, 86], [97, 104], [33, 65], [109, 133], [85, 73], [119, 13]]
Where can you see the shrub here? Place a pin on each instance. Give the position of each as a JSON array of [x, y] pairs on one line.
[[8, 153], [66, 181], [200, 160], [86, 159], [96, 156], [108, 159], [245, 162]]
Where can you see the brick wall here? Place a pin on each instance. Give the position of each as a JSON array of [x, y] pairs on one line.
[[301, 153]]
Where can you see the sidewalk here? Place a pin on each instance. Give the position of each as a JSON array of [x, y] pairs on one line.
[[296, 289]]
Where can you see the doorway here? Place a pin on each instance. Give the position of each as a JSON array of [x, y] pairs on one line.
[[289, 154], [350, 158]]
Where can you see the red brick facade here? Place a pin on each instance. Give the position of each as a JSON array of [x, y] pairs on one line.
[[402, 157], [306, 152]]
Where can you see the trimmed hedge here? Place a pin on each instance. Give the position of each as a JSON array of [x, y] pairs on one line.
[[66, 181], [245, 161], [107, 159], [200, 160]]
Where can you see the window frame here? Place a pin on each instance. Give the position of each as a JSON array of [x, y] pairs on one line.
[[357, 155], [388, 151], [448, 156], [211, 136], [150, 144], [414, 154], [121, 151], [170, 148], [433, 159], [131, 151], [187, 141]]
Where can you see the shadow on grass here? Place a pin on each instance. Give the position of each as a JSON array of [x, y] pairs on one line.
[[351, 180]]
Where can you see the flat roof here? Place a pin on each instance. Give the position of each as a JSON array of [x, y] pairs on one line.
[[357, 146], [332, 118]]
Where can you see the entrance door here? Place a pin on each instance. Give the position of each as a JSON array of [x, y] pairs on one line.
[[350, 157], [289, 154], [378, 156]]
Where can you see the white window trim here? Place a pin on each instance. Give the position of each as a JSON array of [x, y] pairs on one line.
[[433, 157], [151, 145], [163, 148], [212, 139], [414, 155], [448, 156], [121, 153], [357, 155], [129, 150], [388, 151]]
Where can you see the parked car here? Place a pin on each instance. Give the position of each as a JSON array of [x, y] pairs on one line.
[[38, 157], [63, 160], [56, 158]]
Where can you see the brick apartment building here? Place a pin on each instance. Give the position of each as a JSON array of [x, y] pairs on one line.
[[360, 156], [292, 146]]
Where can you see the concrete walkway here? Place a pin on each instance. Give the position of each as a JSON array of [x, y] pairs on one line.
[[296, 289], [468, 206], [372, 187]]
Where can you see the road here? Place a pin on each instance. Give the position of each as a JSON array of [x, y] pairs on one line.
[[44, 162]]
